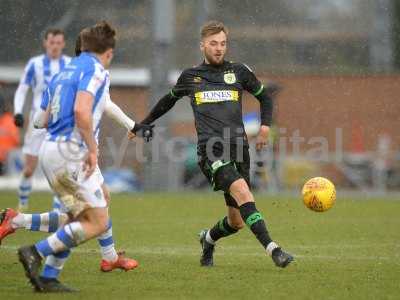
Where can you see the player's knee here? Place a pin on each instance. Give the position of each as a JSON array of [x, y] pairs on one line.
[[240, 191], [98, 227], [96, 221], [101, 224]]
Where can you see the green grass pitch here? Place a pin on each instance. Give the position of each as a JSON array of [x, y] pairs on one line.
[[349, 252]]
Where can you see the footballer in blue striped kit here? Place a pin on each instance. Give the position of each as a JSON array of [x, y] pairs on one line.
[[76, 99], [37, 74], [49, 222]]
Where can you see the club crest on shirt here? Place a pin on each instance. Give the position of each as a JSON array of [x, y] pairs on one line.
[[229, 78]]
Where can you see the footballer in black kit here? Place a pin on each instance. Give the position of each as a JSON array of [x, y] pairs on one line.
[[215, 89]]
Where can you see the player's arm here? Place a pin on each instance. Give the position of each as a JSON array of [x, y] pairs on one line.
[[167, 101], [266, 106], [113, 111], [92, 80], [41, 117], [21, 92], [266, 109], [84, 118], [162, 107], [84, 122], [265, 96]]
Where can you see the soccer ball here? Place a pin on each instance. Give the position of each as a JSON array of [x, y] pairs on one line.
[[319, 194]]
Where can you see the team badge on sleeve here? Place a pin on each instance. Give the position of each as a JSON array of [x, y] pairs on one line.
[[229, 78]]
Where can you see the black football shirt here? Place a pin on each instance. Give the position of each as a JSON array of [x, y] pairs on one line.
[[216, 93]]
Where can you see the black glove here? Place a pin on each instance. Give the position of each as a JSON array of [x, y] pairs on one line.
[[19, 120], [143, 130]]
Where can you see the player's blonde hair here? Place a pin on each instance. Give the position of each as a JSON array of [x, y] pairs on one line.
[[212, 27]]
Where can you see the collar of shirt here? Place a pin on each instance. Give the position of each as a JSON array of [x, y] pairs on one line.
[[52, 59], [217, 67], [90, 54]]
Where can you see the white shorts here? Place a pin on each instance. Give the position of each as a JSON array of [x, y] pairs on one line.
[[62, 164], [33, 140]]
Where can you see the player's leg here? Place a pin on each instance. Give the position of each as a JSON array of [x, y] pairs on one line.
[[51, 270], [111, 259], [233, 178], [105, 240], [225, 227], [240, 191], [44, 222], [235, 219], [107, 248], [32, 142], [83, 199], [25, 185], [89, 224], [230, 224], [10, 221]]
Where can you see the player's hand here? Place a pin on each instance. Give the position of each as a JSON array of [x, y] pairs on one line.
[[19, 120], [90, 163], [131, 135], [143, 130], [262, 137]]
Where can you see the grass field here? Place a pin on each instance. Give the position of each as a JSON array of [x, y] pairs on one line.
[[350, 252]]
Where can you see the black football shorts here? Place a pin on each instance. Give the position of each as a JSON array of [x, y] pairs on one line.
[[222, 169]]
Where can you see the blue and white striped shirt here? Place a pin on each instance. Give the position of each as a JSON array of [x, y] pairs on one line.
[[37, 74], [84, 73]]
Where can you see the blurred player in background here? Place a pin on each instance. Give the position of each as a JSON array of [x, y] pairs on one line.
[[37, 75], [215, 90]]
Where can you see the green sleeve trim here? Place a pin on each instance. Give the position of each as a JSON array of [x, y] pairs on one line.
[[172, 94], [259, 91], [253, 218]]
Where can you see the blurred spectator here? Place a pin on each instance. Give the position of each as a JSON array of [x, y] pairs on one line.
[[9, 134]]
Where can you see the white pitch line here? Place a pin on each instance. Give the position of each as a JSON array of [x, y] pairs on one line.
[[221, 250]]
